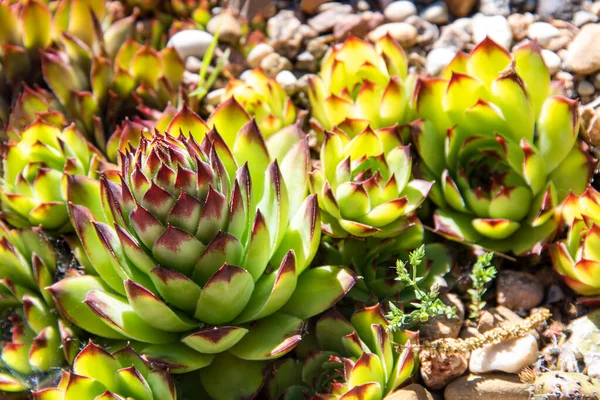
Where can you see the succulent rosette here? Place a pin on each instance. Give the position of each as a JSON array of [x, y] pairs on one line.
[[501, 146], [97, 90], [263, 98], [25, 28], [355, 359], [227, 119], [577, 257], [364, 184], [35, 167], [361, 84], [98, 374], [374, 261], [202, 253], [40, 341]]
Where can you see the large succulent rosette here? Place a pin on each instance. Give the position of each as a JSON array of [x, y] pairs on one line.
[[263, 98], [203, 254], [501, 146], [35, 168], [98, 90], [346, 360], [364, 184], [40, 341], [360, 84], [122, 374], [577, 257]]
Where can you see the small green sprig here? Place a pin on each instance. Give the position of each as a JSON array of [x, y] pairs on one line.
[[483, 273], [204, 83], [428, 304]]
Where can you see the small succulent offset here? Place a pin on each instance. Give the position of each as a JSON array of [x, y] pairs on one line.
[[354, 359], [361, 85], [202, 253], [502, 148], [98, 374], [577, 257], [41, 340], [428, 304], [263, 98], [483, 273], [36, 166], [364, 184], [556, 385]]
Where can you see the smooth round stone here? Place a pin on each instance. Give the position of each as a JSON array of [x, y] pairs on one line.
[[542, 32], [496, 28], [552, 61], [437, 13], [403, 32], [398, 11], [191, 42], [585, 88], [509, 356]]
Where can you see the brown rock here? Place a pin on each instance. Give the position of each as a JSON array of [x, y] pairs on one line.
[[438, 370], [410, 392], [460, 8], [519, 24], [496, 386], [230, 27], [440, 326], [590, 124], [584, 51], [518, 290], [310, 7]]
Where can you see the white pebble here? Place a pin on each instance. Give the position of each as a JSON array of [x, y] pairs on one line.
[[437, 13], [257, 54], [398, 11], [585, 88], [192, 42], [495, 27], [509, 356], [542, 32], [552, 61], [438, 59]]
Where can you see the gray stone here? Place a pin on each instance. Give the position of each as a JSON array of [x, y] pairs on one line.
[[193, 64], [494, 7], [283, 25], [453, 38], [437, 13], [583, 344], [496, 386], [306, 62], [496, 28], [214, 98], [287, 80], [398, 11], [584, 51], [558, 9], [585, 88], [191, 42]]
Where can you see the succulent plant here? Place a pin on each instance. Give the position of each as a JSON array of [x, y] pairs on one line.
[[36, 165], [361, 85], [202, 252], [364, 184], [355, 359], [40, 339], [98, 91], [558, 385], [227, 119], [98, 374], [25, 28], [263, 98], [577, 258], [501, 147], [374, 261]]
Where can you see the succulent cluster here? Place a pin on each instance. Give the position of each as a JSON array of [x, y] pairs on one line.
[[216, 246]]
